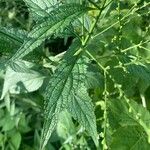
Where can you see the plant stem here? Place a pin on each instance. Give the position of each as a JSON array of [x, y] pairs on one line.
[[94, 4], [93, 25], [143, 100], [105, 93], [120, 28], [85, 41], [130, 12], [134, 46], [101, 66], [82, 38]]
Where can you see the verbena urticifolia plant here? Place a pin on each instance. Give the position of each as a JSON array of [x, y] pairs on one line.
[[101, 80]]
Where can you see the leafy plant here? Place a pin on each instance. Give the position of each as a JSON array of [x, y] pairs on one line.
[[92, 95]]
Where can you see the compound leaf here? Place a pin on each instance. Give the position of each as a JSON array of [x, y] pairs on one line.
[[63, 92], [57, 21]]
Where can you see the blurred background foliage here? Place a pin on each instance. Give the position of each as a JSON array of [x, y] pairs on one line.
[[20, 112]]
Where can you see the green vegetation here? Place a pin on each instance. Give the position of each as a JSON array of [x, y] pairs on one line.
[[74, 74]]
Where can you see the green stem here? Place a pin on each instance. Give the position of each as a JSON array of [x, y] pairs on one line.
[[130, 12], [94, 4], [93, 25], [138, 45], [93, 58], [87, 38], [120, 28], [144, 48], [105, 93], [82, 38]]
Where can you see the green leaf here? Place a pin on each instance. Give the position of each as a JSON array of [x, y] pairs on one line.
[[16, 140], [1, 139], [57, 21], [72, 1], [61, 93], [94, 78], [11, 39], [7, 123], [129, 73], [118, 111], [21, 80], [141, 72], [81, 108], [40, 8], [56, 92], [129, 138], [65, 127], [22, 125], [126, 112]]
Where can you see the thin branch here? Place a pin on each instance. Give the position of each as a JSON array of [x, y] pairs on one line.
[[123, 18], [85, 41], [134, 46]]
